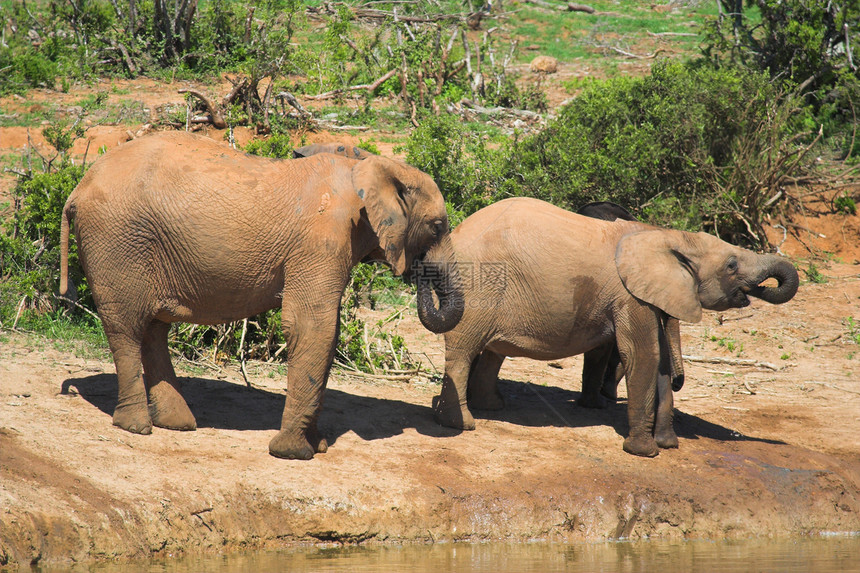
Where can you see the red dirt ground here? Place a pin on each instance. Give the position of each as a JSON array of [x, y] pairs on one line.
[[768, 449]]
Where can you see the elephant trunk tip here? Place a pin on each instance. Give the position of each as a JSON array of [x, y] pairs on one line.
[[438, 272], [787, 283]]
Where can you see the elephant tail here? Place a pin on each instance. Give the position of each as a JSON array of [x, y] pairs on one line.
[[68, 213]]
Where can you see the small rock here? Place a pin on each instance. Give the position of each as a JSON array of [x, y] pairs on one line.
[[544, 65], [556, 365]]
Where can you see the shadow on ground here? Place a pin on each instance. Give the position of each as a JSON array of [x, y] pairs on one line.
[[225, 405]]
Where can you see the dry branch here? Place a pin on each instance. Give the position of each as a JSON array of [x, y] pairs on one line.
[[732, 361], [374, 14], [215, 116], [370, 88]]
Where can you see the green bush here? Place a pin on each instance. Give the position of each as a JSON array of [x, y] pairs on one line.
[[805, 46], [468, 171], [276, 145], [685, 146], [29, 243], [633, 139]]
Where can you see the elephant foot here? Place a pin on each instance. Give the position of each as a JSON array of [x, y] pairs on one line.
[[292, 445], [667, 439], [591, 401], [609, 392], [133, 418], [452, 416], [319, 444], [641, 446], [493, 401], [168, 409]]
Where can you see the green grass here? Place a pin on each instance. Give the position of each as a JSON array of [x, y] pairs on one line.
[[570, 36], [83, 337]]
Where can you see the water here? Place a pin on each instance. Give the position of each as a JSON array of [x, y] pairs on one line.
[[812, 554]]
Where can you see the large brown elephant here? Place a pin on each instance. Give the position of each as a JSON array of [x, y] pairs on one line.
[[175, 227], [545, 283]]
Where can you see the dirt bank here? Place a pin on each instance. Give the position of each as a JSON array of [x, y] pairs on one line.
[[763, 451]]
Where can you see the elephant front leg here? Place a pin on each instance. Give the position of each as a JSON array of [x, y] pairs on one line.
[[167, 407], [483, 388], [638, 345], [450, 408], [312, 344]]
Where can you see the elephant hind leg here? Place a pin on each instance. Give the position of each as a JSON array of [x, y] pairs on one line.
[[131, 412], [593, 376], [167, 407], [483, 391], [450, 408]]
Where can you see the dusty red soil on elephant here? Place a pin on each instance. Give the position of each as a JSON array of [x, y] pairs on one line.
[[768, 433]]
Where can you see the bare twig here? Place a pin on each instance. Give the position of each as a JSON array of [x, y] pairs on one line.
[[370, 88], [80, 306], [732, 361]]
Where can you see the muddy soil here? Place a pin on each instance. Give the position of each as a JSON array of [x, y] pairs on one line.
[[767, 420]]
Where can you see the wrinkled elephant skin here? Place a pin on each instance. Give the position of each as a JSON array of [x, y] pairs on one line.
[[173, 227], [544, 283]]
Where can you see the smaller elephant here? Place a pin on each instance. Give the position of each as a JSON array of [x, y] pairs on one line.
[[337, 148], [598, 386], [609, 211], [543, 283]]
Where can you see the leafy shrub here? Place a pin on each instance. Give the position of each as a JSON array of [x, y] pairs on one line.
[[632, 139], [29, 243], [686, 146], [276, 145], [803, 45], [468, 172]]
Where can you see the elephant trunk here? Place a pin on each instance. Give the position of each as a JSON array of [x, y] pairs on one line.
[[787, 279], [437, 272]]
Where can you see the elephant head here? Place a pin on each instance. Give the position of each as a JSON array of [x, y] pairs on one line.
[[391, 190], [334, 148], [681, 273], [407, 213]]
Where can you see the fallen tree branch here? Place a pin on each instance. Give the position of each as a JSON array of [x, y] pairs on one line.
[[632, 55], [509, 111], [664, 34], [732, 361], [369, 87], [216, 118], [569, 7], [293, 102]]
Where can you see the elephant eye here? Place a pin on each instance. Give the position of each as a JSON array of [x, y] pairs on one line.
[[732, 265]]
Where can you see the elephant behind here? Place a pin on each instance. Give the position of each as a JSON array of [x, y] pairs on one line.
[[173, 227], [545, 283], [608, 381]]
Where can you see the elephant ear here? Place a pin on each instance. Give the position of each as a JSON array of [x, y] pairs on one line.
[[377, 180], [654, 270]]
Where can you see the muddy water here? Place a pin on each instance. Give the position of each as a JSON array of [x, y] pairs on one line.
[[813, 554]]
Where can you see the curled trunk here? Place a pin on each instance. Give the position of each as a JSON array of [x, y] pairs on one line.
[[786, 276], [438, 273]]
